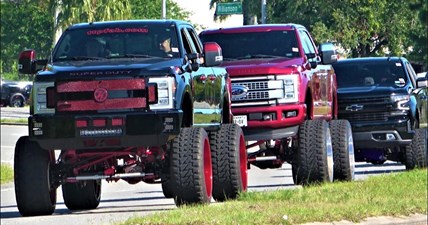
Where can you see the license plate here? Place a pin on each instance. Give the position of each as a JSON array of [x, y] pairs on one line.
[[240, 120]]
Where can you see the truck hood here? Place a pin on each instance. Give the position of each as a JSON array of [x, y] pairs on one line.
[[116, 67], [369, 91], [248, 67]]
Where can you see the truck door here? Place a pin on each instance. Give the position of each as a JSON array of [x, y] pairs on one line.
[[320, 79], [207, 86]]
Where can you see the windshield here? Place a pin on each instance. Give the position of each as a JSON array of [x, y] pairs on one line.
[[374, 73], [256, 44], [99, 43]]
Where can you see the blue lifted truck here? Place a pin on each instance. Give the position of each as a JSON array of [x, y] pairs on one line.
[[375, 95], [132, 100]]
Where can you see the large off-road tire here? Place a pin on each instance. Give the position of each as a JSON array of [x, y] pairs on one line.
[[34, 192], [343, 150], [82, 195], [167, 188], [166, 183], [191, 167], [229, 162], [313, 159], [416, 152]]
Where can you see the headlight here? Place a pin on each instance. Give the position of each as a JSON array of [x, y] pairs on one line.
[[39, 100], [396, 98], [402, 101], [165, 91], [290, 87]]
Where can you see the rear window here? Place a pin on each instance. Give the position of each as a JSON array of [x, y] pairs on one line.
[[374, 73]]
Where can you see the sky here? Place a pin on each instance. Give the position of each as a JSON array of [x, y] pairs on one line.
[[201, 14]]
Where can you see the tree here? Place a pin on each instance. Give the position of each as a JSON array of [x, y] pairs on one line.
[[24, 25], [419, 55], [67, 12], [149, 9], [364, 28]]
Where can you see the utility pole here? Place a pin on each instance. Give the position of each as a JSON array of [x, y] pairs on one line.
[[163, 9], [264, 11]]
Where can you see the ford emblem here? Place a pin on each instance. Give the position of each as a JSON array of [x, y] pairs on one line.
[[239, 92]]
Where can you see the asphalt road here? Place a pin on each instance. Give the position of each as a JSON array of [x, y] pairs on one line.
[[120, 200]]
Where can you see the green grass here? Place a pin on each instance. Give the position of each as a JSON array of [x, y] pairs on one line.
[[17, 120], [6, 173], [397, 194]]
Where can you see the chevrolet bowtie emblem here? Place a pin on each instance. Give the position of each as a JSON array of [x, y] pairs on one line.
[[353, 108]]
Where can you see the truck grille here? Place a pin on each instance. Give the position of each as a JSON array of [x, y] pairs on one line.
[[258, 92], [257, 95], [260, 85], [98, 95], [366, 117], [368, 100]]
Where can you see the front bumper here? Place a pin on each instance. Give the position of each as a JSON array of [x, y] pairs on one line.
[[272, 117], [382, 135], [143, 129]]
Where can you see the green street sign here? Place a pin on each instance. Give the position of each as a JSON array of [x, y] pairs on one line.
[[228, 8]]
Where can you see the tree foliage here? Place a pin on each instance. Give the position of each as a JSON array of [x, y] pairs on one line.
[[24, 25], [149, 9], [360, 27]]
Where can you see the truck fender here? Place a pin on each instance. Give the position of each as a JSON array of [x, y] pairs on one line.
[[413, 109]]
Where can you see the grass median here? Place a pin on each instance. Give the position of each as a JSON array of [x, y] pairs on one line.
[[397, 194], [6, 173], [18, 121]]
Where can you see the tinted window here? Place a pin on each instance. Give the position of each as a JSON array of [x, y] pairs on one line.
[[307, 43], [114, 42], [249, 45], [375, 73]]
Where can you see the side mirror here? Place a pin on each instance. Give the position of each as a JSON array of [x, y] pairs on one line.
[[193, 62], [26, 62], [328, 53], [213, 55], [421, 82]]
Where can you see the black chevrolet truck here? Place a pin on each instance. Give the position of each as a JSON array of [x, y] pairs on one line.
[[375, 95], [135, 100]]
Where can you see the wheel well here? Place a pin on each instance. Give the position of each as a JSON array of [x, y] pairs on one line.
[[17, 94], [186, 106]]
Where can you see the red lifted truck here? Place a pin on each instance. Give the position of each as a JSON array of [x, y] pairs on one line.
[[284, 97], [113, 105]]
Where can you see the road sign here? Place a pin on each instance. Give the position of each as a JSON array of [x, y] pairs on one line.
[[228, 8]]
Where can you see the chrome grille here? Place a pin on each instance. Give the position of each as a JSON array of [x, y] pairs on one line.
[[256, 90], [256, 85], [257, 95]]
